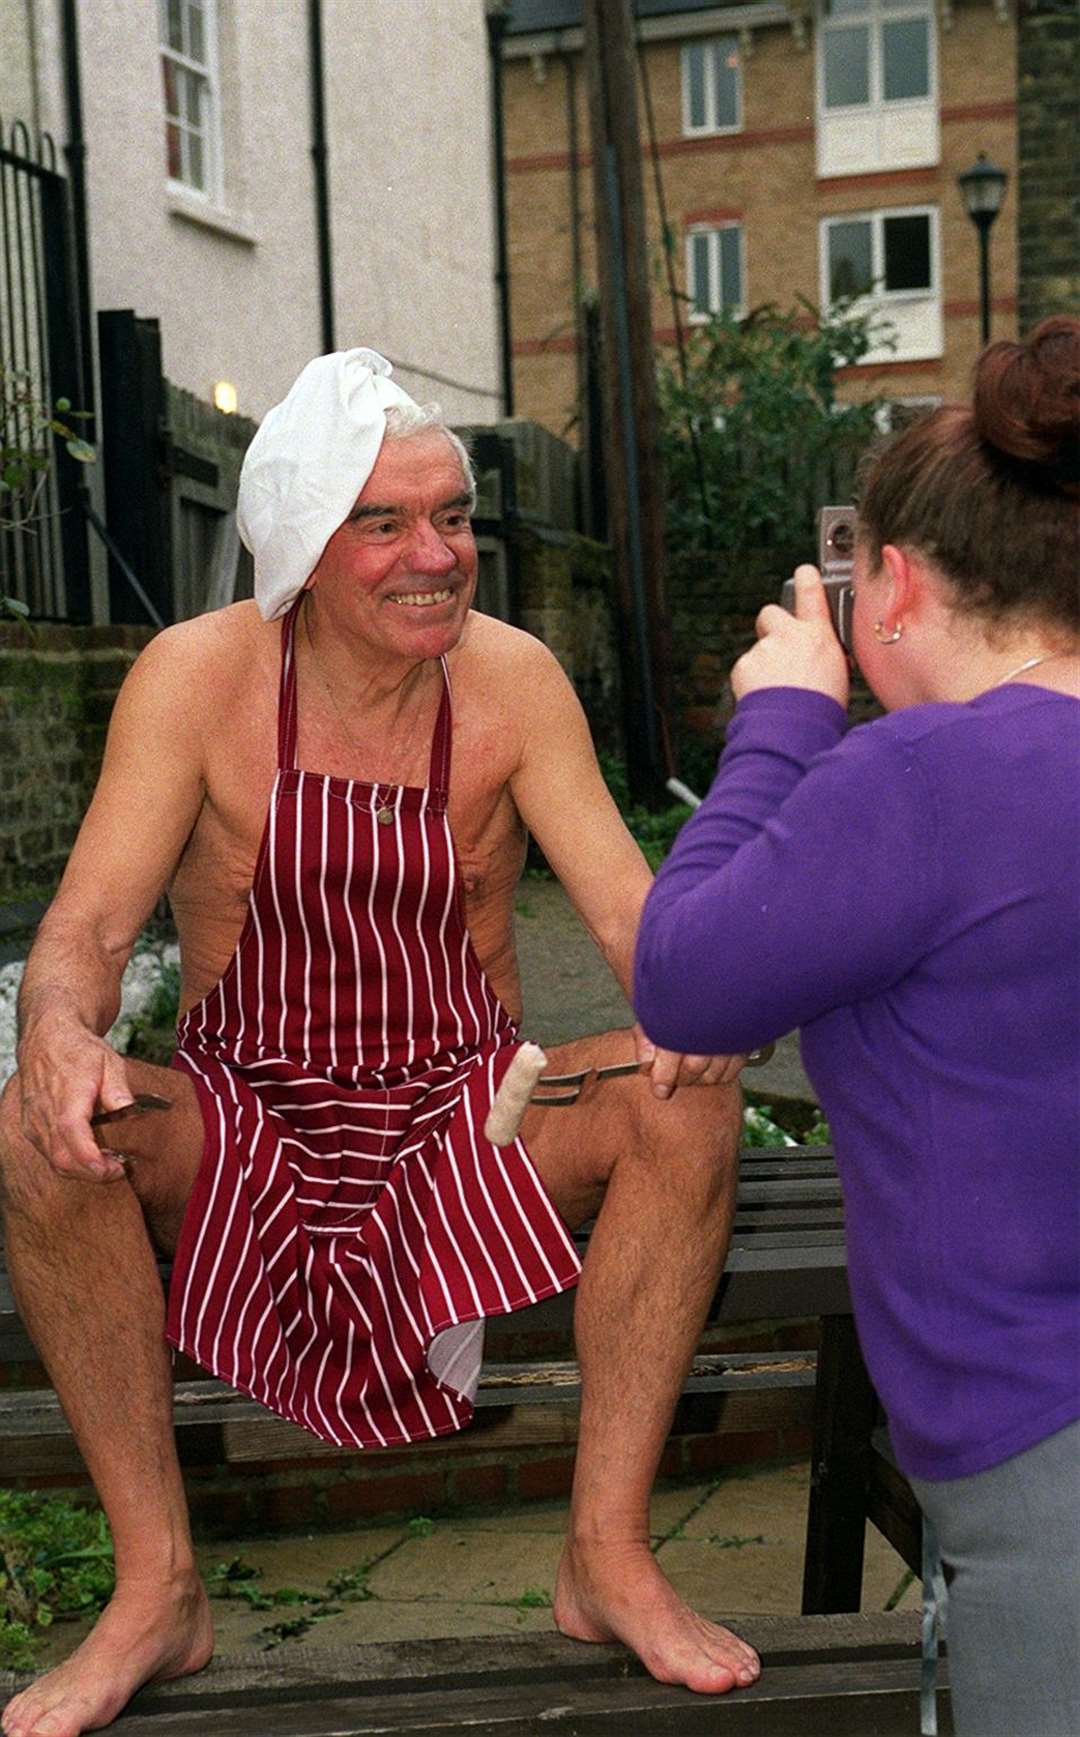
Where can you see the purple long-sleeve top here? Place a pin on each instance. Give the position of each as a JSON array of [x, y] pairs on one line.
[[908, 895]]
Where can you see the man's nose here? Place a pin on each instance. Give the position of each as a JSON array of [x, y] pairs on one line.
[[428, 552]]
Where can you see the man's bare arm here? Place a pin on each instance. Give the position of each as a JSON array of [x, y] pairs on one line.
[[562, 798], [560, 794], [146, 802]]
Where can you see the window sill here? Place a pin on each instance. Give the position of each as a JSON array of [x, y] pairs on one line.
[[189, 208], [711, 132]]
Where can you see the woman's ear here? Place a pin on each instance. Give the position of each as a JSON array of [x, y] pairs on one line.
[[905, 585]]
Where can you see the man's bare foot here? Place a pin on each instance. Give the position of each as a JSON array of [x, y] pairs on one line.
[[139, 1638], [617, 1592]]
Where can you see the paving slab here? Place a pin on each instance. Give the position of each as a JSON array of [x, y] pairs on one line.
[[722, 1583], [305, 1560], [771, 1504], [772, 1500], [669, 1508], [465, 1566]]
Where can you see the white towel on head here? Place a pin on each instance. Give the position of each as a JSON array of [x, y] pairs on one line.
[[310, 458]]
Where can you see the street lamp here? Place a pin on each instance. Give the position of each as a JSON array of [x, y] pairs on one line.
[[982, 188]]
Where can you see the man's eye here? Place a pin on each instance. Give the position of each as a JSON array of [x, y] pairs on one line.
[[455, 521]]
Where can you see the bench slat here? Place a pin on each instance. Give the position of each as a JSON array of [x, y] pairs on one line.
[[37, 1410], [849, 1678]]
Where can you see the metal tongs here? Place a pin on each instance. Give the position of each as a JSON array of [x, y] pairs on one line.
[[618, 1070]]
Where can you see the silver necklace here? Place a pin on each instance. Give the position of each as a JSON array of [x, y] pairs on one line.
[[1043, 657], [383, 811]]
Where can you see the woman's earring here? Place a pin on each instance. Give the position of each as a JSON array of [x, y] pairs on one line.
[[887, 638]]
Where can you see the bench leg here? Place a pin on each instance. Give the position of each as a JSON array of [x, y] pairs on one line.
[[845, 1409]]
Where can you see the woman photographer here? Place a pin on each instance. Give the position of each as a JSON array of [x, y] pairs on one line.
[[908, 895]]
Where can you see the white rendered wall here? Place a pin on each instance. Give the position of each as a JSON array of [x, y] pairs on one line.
[[236, 288]]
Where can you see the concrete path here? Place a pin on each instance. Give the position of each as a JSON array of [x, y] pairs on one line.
[[733, 1546]]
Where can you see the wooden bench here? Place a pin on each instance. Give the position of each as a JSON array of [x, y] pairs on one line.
[[852, 1676], [787, 1261]]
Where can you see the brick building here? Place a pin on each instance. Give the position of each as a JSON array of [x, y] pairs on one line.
[[801, 150]]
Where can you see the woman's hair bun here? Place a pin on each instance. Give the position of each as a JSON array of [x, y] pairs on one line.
[[1027, 400]]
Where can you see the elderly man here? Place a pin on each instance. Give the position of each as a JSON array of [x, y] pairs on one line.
[[335, 786]]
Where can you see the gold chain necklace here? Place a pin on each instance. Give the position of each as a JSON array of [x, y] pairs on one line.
[[382, 810]]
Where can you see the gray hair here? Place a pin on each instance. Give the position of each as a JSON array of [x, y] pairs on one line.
[[403, 421]]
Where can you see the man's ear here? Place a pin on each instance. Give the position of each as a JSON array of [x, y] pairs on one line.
[[906, 585]]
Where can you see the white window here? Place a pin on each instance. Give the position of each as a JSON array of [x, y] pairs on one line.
[[877, 86], [714, 271], [886, 264], [712, 85], [188, 30], [895, 414]]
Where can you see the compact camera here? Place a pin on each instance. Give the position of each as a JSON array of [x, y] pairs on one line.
[[836, 557]]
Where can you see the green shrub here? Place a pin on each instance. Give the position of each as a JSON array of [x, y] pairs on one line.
[[56, 1559], [653, 830]]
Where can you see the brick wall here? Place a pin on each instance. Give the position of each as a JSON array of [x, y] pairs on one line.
[[766, 175], [1049, 168], [57, 686]]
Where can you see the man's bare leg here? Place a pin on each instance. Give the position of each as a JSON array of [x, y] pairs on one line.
[[83, 1270], [654, 1259]]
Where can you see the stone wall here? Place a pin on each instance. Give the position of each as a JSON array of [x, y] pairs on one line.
[[1048, 77], [57, 687]]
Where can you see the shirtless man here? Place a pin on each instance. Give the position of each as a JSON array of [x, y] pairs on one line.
[[339, 1222]]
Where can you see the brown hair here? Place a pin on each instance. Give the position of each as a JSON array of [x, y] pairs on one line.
[[989, 492]]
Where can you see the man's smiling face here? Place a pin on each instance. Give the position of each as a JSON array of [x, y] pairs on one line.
[[400, 573]]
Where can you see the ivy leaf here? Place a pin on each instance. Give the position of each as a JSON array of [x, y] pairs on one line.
[[82, 450]]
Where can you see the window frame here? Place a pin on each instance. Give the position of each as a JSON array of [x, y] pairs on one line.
[[212, 192], [880, 300], [702, 44], [695, 316], [874, 14], [877, 219]]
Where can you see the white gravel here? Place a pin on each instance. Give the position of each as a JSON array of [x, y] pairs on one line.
[[143, 974]]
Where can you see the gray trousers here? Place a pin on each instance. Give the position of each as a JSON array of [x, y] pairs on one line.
[[1010, 1544]]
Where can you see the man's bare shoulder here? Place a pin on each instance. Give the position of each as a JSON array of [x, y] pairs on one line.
[[508, 664], [225, 638], [207, 657]]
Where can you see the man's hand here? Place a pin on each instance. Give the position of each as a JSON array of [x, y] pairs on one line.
[[668, 1070], [796, 651], [65, 1078]]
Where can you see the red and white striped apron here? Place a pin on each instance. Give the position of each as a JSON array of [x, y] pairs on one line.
[[350, 1227]]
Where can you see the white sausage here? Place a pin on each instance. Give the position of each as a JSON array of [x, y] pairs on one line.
[[512, 1098]]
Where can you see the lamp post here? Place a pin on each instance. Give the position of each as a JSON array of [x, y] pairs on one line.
[[982, 188]]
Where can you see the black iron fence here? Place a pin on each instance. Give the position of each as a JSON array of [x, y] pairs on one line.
[[43, 551]]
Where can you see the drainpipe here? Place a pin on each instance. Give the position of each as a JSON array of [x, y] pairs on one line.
[[580, 358], [75, 154], [320, 160], [496, 24]]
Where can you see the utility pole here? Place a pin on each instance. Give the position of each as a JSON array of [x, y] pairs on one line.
[[635, 487]]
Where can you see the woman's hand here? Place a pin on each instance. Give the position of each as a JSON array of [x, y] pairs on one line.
[[795, 651]]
